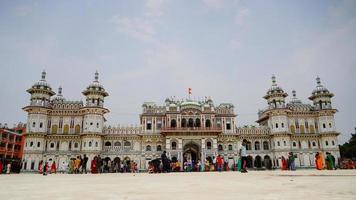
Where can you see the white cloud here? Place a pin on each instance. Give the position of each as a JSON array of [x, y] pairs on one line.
[[23, 10], [214, 4], [135, 27], [235, 44], [154, 8], [242, 15]]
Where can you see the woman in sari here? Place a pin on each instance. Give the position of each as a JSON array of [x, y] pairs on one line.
[[284, 163], [93, 166], [40, 167], [319, 161], [53, 167], [330, 161], [239, 164]]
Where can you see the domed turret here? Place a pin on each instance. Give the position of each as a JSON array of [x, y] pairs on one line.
[[41, 92], [321, 96], [95, 93], [275, 95], [295, 100], [59, 96]]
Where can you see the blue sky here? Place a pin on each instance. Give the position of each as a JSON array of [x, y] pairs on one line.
[[153, 49]]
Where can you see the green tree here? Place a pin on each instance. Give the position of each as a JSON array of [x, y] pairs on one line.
[[348, 150]]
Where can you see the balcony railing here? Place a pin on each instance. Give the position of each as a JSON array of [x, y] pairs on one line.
[[191, 129]]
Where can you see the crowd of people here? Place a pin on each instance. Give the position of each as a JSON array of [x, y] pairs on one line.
[[163, 164], [79, 165], [10, 166]]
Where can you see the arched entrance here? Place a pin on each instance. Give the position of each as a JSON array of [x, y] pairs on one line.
[[258, 161], [267, 162], [191, 151]]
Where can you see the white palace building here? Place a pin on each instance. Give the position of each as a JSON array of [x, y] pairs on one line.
[[59, 129]]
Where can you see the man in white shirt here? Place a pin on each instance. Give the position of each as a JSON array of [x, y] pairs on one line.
[[243, 156]]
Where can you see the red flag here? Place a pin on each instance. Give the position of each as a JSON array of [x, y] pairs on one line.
[[190, 91]]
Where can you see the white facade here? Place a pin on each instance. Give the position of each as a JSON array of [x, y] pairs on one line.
[[59, 129]]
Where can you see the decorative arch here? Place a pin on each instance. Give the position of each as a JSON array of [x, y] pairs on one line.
[[108, 144], [173, 123], [54, 129], [77, 129], [66, 129], [265, 145], [207, 123]]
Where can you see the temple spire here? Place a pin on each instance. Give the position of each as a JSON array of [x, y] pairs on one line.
[[96, 76], [43, 77]]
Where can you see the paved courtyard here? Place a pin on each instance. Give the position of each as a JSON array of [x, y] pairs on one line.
[[302, 184]]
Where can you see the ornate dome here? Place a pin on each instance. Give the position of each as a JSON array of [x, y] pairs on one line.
[[274, 88], [95, 86], [42, 84], [295, 100], [320, 89], [59, 96]]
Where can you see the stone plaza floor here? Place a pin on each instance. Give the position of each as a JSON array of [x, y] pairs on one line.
[[301, 185]]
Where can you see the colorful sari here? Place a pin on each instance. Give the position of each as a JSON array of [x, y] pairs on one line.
[[319, 161]]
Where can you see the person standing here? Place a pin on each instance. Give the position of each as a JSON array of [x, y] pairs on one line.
[[77, 165], [291, 160], [93, 166], [40, 167], [319, 161], [54, 167], [64, 167], [165, 162], [1, 167], [45, 169], [243, 156], [99, 163], [8, 168], [219, 163], [84, 164], [284, 163], [330, 162]]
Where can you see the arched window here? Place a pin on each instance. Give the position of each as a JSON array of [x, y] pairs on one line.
[[66, 129], [96, 144], [230, 147], [38, 144], [127, 144], [51, 145], [190, 122], [333, 143], [248, 145], [77, 129], [208, 123], [265, 145], [174, 145], [159, 148], [327, 143], [184, 123], [148, 148], [294, 144], [117, 144], [284, 143], [76, 145], [197, 122], [173, 123], [54, 129], [90, 143], [278, 143], [220, 147], [31, 144], [208, 145], [314, 144], [257, 145], [107, 144]]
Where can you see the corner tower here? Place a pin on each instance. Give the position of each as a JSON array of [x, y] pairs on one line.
[[94, 107]]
